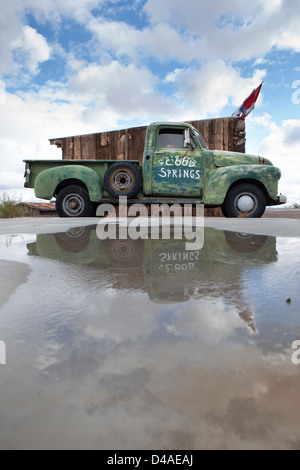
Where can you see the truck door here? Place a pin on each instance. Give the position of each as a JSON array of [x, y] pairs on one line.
[[177, 163]]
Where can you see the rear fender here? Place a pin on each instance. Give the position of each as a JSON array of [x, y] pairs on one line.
[[48, 181]]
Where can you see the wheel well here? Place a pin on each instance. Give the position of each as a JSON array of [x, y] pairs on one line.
[[256, 183], [68, 182]]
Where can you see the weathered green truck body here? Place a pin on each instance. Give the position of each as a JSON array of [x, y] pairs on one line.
[[176, 165]]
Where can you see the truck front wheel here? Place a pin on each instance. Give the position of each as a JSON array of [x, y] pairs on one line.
[[74, 201], [244, 200]]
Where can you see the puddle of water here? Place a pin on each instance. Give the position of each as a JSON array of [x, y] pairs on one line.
[[145, 345]]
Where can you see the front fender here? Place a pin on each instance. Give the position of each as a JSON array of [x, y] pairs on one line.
[[218, 181], [47, 181]]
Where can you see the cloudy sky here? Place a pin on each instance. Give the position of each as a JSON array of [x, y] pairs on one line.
[[83, 66]]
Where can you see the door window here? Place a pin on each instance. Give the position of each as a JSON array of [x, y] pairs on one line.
[[171, 138]]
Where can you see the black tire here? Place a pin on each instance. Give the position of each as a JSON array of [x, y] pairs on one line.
[[245, 243], [124, 253], [75, 240], [244, 200], [123, 179], [224, 210], [74, 201]]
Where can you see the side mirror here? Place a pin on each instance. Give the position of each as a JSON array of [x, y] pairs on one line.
[[187, 139]]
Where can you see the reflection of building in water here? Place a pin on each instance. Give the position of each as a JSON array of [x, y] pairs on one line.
[[164, 268]]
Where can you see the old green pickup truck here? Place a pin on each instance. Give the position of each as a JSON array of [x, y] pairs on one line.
[[177, 167]]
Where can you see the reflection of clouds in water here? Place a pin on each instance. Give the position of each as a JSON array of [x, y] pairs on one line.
[[173, 396], [209, 321], [104, 367], [118, 321], [122, 317]]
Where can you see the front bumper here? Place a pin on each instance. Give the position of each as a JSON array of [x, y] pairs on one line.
[[281, 200]]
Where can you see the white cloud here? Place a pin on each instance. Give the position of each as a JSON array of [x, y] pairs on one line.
[[13, 29], [11, 179], [80, 10], [173, 76], [127, 91], [29, 120], [260, 61], [10, 30], [31, 49], [198, 16], [213, 87], [233, 29], [19, 192], [161, 41], [282, 147]]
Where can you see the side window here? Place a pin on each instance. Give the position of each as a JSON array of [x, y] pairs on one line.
[[171, 138]]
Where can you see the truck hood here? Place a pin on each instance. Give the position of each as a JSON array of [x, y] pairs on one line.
[[222, 159]]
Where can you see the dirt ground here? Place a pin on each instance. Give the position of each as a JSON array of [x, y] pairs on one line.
[[282, 214]]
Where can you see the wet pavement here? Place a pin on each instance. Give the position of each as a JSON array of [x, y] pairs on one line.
[[123, 344]]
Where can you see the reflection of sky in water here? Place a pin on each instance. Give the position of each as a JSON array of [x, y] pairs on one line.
[[93, 362]]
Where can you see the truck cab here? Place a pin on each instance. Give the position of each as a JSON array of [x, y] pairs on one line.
[[178, 163]]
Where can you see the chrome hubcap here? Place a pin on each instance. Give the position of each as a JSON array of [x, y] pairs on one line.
[[73, 205], [123, 250], [246, 203]]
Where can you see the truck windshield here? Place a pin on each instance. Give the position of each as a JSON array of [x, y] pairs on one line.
[[201, 139]]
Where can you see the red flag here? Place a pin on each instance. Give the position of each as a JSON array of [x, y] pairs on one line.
[[248, 105]]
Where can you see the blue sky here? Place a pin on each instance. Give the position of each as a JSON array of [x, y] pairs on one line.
[[82, 66]]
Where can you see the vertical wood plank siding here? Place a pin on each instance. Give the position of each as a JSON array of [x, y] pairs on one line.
[[220, 134]]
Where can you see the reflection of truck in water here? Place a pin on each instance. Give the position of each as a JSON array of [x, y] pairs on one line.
[[164, 268], [177, 165]]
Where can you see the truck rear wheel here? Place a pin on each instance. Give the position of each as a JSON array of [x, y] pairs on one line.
[[123, 179], [74, 201], [244, 200], [75, 240]]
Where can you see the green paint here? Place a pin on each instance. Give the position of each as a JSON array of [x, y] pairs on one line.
[[218, 181], [184, 172], [222, 159], [175, 164], [48, 180], [47, 175]]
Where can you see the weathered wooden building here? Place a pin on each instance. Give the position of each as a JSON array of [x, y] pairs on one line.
[[128, 144]]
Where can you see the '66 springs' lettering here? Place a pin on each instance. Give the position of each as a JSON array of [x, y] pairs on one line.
[[180, 173]]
